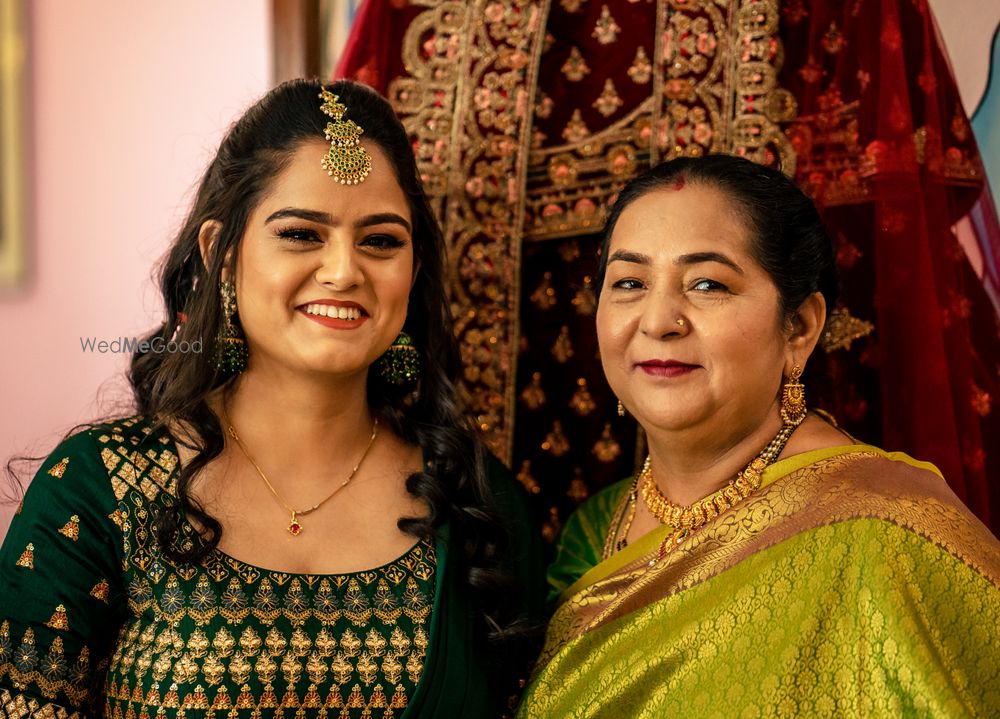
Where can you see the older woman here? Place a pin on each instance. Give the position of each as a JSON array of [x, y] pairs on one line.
[[762, 563], [298, 522]]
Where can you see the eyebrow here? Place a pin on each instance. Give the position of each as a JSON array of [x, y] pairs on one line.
[[695, 258], [325, 218], [692, 258], [626, 256]]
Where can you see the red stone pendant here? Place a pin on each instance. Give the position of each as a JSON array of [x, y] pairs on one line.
[[294, 528]]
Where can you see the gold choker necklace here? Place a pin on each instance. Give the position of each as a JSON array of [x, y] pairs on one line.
[[742, 486], [295, 526], [683, 519]]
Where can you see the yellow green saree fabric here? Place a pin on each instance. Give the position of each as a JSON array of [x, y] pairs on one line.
[[854, 583]]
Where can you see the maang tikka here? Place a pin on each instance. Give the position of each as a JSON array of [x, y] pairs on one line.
[[346, 161]]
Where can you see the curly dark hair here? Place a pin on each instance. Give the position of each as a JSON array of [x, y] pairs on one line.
[[174, 388]]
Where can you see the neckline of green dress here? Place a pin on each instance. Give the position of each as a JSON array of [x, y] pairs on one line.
[[171, 444]]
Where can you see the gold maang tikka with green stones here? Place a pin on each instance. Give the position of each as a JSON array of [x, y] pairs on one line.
[[346, 161]]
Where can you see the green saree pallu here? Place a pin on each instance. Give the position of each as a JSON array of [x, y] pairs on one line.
[[96, 621], [852, 584]]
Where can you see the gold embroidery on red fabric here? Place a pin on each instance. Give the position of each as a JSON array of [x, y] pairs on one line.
[[555, 442], [842, 329], [582, 402], [609, 100], [474, 169], [607, 449], [683, 114], [607, 30], [575, 68], [527, 479], [575, 129], [533, 395], [641, 69]]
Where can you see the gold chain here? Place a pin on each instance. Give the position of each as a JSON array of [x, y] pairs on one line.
[[295, 526]]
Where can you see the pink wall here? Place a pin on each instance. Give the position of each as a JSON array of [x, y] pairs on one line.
[[129, 101]]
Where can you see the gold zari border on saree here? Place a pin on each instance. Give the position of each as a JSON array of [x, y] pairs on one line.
[[836, 489]]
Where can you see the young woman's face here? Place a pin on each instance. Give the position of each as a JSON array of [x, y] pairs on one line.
[[325, 270], [688, 322]]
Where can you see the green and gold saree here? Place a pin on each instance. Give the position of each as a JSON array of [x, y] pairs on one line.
[[853, 583]]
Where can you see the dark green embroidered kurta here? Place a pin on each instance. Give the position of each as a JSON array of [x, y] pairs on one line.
[[95, 620]]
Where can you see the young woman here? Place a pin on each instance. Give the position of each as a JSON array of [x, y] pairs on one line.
[[298, 521]]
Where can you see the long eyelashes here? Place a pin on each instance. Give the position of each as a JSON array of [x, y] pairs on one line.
[[301, 235], [383, 242], [376, 242]]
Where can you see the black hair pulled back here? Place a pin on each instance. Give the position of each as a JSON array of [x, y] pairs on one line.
[[787, 236]]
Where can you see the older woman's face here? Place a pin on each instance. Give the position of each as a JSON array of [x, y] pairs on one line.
[[325, 269], [688, 322]]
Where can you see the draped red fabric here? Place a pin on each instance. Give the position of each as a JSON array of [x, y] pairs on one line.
[[884, 146]]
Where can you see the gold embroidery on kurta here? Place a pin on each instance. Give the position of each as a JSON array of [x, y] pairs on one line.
[[58, 620], [21, 706], [101, 591], [59, 468], [27, 558], [72, 528]]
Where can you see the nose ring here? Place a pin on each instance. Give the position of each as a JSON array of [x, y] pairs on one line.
[[681, 322]]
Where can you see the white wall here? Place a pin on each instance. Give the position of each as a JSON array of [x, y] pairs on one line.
[[129, 101], [967, 28]]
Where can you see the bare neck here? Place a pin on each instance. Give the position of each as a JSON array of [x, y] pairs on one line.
[[693, 463], [302, 423]]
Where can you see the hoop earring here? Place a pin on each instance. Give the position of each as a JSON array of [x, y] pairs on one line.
[[231, 354], [401, 362], [793, 398]]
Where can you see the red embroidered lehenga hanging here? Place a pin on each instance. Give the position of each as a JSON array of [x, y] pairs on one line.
[[527, 118]]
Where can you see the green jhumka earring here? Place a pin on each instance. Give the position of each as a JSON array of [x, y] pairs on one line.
[[401, 362], [231, 353]]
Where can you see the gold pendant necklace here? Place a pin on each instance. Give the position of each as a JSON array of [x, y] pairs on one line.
[[295, 526]]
